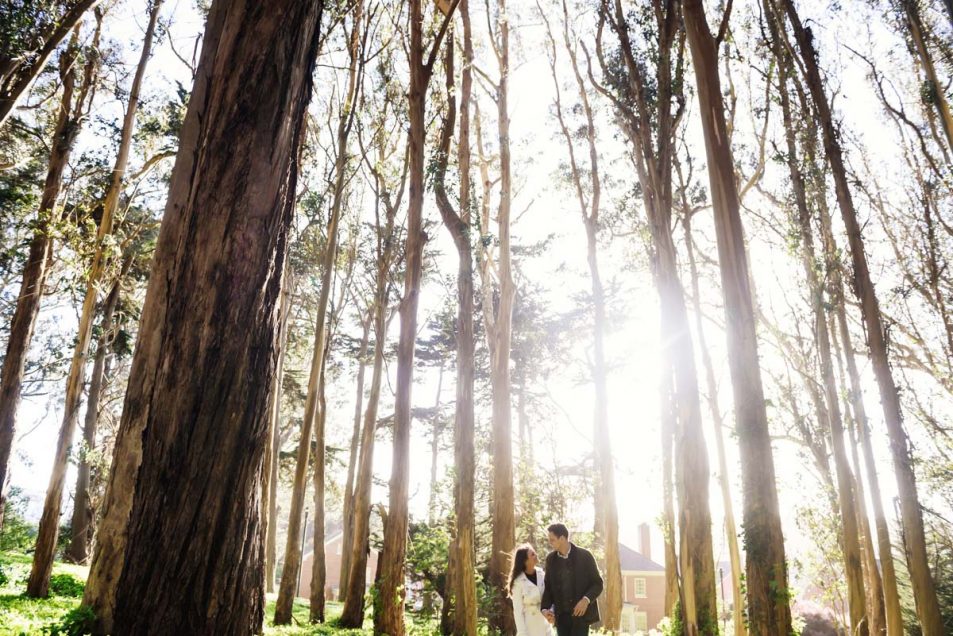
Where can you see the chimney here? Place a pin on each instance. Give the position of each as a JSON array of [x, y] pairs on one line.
[[645, 545]]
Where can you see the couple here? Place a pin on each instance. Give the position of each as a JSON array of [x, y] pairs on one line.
[[563, 595]]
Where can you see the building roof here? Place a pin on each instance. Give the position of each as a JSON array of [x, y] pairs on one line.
[[631, 560]]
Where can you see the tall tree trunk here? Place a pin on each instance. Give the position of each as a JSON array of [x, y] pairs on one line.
[[936, 96], [353, 457], [269, 491], [874, 582], [731, 531], [699, 603], [668, 416], [835, 283], [17, 75], [49, 527], [318, 564], [434, 453], [389, 602], [81, 526], [463, 559], [448, 609], [292, 563], [924, 588], [653, 163], [208, 338], [352, 615], [498, 315], [768, 596], [68, 124], [846, 504]]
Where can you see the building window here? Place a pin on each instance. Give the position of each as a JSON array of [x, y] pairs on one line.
[[628, 622], [640, 588], [641, 620]]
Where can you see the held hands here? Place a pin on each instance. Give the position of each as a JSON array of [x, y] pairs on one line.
[[581, 607], [550, 616]]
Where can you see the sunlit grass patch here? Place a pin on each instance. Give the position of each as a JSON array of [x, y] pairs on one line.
[[22, 615]]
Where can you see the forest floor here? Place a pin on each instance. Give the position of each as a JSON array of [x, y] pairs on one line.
[[20, 615]]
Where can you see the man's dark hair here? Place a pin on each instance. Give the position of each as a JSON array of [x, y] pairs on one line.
[[559, 529]]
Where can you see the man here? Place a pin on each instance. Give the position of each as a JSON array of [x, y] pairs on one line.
[[573, 584]]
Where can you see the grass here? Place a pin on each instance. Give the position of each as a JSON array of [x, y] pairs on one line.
[[299, 623], [20, 615]]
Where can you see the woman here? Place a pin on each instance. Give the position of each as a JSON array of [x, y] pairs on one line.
[[526, 589]]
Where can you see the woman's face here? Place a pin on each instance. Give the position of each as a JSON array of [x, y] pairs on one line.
[[531, 560]]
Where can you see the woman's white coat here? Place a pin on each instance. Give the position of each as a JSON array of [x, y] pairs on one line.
[[526, 597]]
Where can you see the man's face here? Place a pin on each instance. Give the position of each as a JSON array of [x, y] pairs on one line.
[[558, 543]]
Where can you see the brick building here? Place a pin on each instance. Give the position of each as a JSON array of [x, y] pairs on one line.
[[643, 586], [332, 557]]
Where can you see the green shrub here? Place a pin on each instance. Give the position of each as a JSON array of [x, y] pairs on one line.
[[77, 622], [17, 534], [4, 577], [66, 585]]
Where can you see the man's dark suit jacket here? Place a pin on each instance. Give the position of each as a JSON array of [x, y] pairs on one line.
[[580, 572]]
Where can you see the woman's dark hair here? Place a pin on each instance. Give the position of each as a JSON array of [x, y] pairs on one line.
[[519, 564], [559, 529]]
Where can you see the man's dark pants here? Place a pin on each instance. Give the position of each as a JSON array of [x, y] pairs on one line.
[[566, 625]]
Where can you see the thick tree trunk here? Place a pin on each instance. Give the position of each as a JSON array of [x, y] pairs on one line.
[[183, 553], [68, 124], [81, 527], [353, 457], [847, 503], [49, 527], [924, 588], [768, 596], [18, 74], [269, 491]]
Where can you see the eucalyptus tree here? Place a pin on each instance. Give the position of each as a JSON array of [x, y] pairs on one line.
[[48, 530], [389, 602], [768, 595], [30, 34], [208, 338], [343, 171], [79, 84], [910, 511]]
